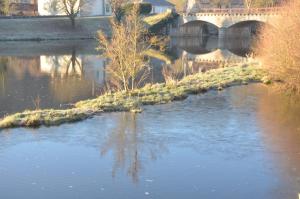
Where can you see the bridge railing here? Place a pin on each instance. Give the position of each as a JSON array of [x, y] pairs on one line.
[[236, 10]]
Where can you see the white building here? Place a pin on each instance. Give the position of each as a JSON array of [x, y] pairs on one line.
[[89, 8], [160, 6]]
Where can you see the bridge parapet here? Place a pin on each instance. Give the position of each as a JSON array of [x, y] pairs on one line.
[[224, 18], [235, 11]]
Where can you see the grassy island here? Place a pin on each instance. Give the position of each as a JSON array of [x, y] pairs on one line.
[[134, 100]]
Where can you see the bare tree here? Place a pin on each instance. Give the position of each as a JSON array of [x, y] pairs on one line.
[[220, 3], [248, 3], [126, 51], [71, 8]]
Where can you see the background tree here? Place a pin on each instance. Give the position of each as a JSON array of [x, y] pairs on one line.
[[71, 8], [4, 7], [220, 3], [248, 3]]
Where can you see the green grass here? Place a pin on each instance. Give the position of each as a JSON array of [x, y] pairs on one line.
[[134, 100], [154, 19]]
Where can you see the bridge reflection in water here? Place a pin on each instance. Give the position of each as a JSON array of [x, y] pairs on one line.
[[203, 53]]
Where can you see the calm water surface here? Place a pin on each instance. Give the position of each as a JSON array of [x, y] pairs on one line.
[[243, 142], [57, 73]]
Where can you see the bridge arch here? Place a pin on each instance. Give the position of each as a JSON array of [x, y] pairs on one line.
[[198, 28], [198, 22], [245, 28], [248, 22], [225, 18]]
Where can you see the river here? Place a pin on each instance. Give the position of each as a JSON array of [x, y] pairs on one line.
[[54, 74], [230, 144], [243, 142]]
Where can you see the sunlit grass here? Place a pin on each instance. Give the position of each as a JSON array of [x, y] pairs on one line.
[[154, 19]]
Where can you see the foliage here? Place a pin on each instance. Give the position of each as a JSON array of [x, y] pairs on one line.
[[279, 47], [4, 7], [126, 51], [156, 22], [131, 101], [144, 8]]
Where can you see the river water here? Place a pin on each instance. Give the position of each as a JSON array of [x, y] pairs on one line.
[[243, 142], [58, 73]]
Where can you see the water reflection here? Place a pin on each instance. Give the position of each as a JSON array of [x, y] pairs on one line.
[[60, 73], [281, 125], [126, 141], [232, 149], [199, 54], [63, 66], [58, 79]]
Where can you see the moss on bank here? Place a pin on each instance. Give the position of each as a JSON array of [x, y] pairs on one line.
[[132, 101]]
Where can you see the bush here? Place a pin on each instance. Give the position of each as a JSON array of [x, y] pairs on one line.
[[279, 47]]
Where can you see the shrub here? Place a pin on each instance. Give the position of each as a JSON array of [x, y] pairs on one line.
[[279, 47]]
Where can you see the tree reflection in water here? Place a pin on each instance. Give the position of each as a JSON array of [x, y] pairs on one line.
[[3, 69], [127, 141], [63, 66], [67, 77], [279, 117]]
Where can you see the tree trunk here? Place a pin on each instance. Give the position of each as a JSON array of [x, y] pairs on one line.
[[73, 21]]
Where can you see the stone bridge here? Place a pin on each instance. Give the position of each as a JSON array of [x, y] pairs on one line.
[[225, 18]]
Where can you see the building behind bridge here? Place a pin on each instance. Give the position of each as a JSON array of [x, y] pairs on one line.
[[196, 5]]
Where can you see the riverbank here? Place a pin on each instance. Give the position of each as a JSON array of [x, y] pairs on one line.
[[133, 101], [52, 28]]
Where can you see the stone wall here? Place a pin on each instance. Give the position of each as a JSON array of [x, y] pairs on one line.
[[52, 28]]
